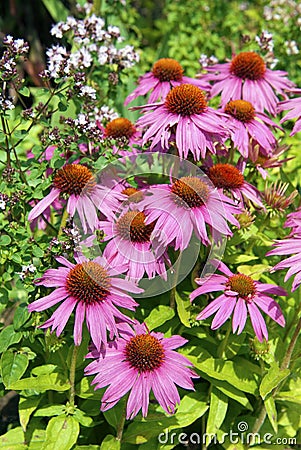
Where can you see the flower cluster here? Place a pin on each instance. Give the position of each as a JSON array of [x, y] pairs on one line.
[[142, 224]]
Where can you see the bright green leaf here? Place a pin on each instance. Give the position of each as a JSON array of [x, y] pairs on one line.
[[50, 411], [158, 316], [61, 433], [13, 440], [110, 443], [42, 383], [56, 9], [272, 379], [183, 307], [5, 240], [27, 406], [24, 91], [270, 407], [217, 411]]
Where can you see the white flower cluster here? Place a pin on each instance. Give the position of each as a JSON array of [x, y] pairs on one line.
[[291, 47], [283, 11], [105, 114], [265, 41], [26, 270], [6, 104], [94, 42], [206, 61]]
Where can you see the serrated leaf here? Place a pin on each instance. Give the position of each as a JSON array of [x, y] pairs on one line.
[[110, 443], [183, 307], [270, 407], [158, 316], [61, 433], [272, 379], [13, 366], [42, 383], [8, 337], [27, 405], [217, 412]]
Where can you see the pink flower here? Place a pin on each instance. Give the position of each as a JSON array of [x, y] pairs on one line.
[[245, 124], [262, 162], [166, 74], [186, 113], [241, 295], [247, 77], [84, 195], [185, 206], [138, 363], [293, 105], [228, 178], [124, 132], [290, 246], [94, 290], [130, 245]]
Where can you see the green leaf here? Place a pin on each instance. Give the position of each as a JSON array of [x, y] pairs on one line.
[[288, 396], [272, 379], [27, 406], [217, 411], [158, 316], [13, 440], [42, 383], [183, 308], [5, 240], [50, 411], [114, 415], [37, 251], [238, 372], [8, 337], [190, 409], [24, 91], [110, 443], [270, 407], [56, 9], [61, 433], [83, 418], [13, 366], [21, 316], [85, 390]]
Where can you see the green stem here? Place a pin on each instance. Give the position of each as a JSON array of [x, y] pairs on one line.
[[63, 222], [121, 425], [8, 159], [72, 375], [174, 289], [222, 347]]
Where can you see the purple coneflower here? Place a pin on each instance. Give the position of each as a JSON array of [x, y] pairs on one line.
[[262, 162], [166, 74], [230, 179], [141, 362], [130, 245], [241, 295], [247, 77], [93, 288], [186, 113], [124, 132], [245, 123], [84, 195], [187, 205], [293, 105]]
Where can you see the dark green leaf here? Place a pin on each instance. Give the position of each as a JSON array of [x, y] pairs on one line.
[[9, 336], [13, 366]]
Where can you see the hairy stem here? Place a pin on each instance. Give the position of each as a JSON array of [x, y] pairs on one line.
[[72, 375]]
